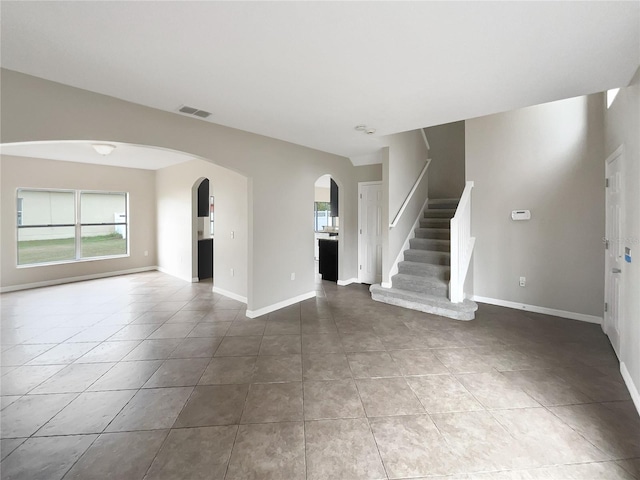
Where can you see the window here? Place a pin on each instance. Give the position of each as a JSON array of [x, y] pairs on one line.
[[70, 225], [611, 96], [322, 211]]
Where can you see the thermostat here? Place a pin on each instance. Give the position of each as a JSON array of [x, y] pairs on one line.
[[521, 215]]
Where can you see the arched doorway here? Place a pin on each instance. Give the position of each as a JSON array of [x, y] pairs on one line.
[[203, 230], [326, 228]]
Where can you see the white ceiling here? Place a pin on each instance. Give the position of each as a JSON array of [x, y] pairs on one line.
[[309, 72], [125, 155]]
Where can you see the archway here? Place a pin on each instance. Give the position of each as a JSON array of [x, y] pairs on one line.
[[202, 209], [326, 228]]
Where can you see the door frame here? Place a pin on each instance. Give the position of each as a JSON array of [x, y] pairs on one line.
[[606, 323], [360, 185]]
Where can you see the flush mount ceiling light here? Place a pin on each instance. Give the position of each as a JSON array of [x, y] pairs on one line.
[[365, 129], [103, 148]]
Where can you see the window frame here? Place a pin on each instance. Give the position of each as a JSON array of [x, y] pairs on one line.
[[77, 225]]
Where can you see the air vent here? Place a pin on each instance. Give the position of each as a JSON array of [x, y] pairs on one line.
[[194, 111]]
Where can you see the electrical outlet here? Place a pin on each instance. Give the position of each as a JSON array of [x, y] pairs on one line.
[[523, 281], [232, 272], [293, 276], [233, 234], [146, 253]]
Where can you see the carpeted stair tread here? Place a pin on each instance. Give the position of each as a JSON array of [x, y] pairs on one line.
[[439, 213], [427, 256], [441, 223], [425, 269], [434, 233], [447, 203], [415, 283], [424, 303], [430, 244]]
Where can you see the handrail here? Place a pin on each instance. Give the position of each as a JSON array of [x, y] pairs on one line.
[[413, 190], [424, 137], [462, 244]]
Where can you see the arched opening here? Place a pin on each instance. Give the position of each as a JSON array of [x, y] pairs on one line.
[[326, 228], [203, 221]]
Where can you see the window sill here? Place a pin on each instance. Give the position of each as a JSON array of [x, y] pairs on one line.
[[68, 262]]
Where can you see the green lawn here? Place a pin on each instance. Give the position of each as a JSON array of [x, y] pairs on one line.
[[43, 251]]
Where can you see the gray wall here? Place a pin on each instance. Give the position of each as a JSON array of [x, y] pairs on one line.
[[177, 246], [549, 159], [403, 160], [38, 173], [280, 175], [446, 150], [622, 127]]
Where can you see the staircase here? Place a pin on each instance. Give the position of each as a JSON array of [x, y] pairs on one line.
[[422, 282]]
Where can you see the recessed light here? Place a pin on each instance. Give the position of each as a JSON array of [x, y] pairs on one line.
[[361, 128], [103, 148]]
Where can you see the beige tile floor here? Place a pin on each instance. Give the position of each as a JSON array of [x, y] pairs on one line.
[[145, 376]]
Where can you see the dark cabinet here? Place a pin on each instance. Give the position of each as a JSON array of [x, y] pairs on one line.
[[334, 198], [205, 258], [328, 259], [203, 198]]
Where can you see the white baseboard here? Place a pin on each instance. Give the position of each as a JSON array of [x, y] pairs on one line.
[[534, 308], [344, 283], [633, 389], [195, 280], [406, 245], [385, 284], [279, 305], [231, 295], [61, 281], [169, 272]]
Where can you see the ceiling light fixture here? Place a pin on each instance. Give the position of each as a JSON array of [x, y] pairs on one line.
[[103, 148]]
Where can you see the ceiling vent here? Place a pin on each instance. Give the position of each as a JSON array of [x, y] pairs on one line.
[[194, 111]]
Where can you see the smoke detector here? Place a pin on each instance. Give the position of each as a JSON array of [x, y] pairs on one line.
[[365, 129], [194, 111]]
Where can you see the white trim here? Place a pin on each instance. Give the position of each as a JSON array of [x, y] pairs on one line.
[[169, 272], [385, 284], [534, 308], [227, 293], [410, 195], [61, 281], [373, 182], [195, 280], [424, 137], [633, 390], [279, 305], [344, 283], [406, 245]]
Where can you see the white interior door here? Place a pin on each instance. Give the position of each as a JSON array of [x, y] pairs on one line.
[[370, 232], [614, 250]]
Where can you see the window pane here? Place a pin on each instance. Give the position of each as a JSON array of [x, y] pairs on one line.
[[46, 244], [103, 207], [103, 241], [46, 207]]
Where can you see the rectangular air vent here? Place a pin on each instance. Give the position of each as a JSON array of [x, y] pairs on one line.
[[194, 111]]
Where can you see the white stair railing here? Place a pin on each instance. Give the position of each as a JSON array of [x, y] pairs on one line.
[[461, 245]]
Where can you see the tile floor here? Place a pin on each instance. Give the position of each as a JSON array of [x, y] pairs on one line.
[[145, 376]]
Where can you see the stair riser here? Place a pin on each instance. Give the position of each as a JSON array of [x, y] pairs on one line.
[[425, 256], [445, 206], [435, 213], [438, 291], [435, 223], [434, 235], [425, 270], [430, 245]]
